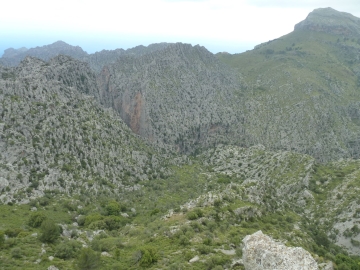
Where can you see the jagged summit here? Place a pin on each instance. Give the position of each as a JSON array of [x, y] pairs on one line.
[[97, 60], [331, 21], [13, 57], [11, 52]]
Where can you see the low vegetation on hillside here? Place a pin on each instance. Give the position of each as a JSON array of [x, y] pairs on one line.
[[201, 209]]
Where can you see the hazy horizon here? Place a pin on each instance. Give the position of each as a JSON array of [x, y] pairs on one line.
[[93, 46]]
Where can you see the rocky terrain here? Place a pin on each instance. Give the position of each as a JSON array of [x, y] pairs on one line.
[[97, 60], [56, 136], [199, 88], [260, 252], [170, 157], [183, 97], [13, 57]]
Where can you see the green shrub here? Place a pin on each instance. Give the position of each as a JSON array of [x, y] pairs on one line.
[[117, 253], [92, 217], [321, 239], [207, 241], [343, 266], [43, 201], [81, 220], [2, 238], [102, 245], [223, 179], [239, 252], [192, 215], [204, 249], [16, 253], [67, 249], [217, 261], [136, 257], [183, 240], [154, 212], [113, 208], [97, 225], [211, 225], [36, 219], [10, 242], [50, 231], [217, 203], [88, 260], [199, 212], [148, 256], [355, 230], [196, 226], [70, 205], [344, 262], [74, 234], [188, 255], [23, 234], [13, 232], [289, 219], [355, 242], [114, 222]]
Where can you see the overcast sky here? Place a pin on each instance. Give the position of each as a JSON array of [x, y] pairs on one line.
[[219, 25]]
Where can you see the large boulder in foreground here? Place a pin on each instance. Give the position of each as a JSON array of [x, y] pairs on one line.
[[261, 252]]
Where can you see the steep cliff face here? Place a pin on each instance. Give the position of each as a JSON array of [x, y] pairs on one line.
[[180, 95], [55, 136]]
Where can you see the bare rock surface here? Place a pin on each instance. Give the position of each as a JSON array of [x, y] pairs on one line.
[[261, 252]]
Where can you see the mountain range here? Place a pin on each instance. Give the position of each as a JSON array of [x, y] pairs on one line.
[[186, 145]]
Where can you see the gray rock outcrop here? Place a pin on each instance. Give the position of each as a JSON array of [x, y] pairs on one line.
[[331, 21], [180, 95], [56, 136], [261, 252]]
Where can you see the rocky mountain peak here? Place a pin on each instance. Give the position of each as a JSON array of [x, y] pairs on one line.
[[11, 52], [330, 21], [30, 61], [13, 57], [60, 43]]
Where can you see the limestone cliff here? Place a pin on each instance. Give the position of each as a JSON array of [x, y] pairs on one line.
[[180, 95], [54, 135], [260, 252]]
